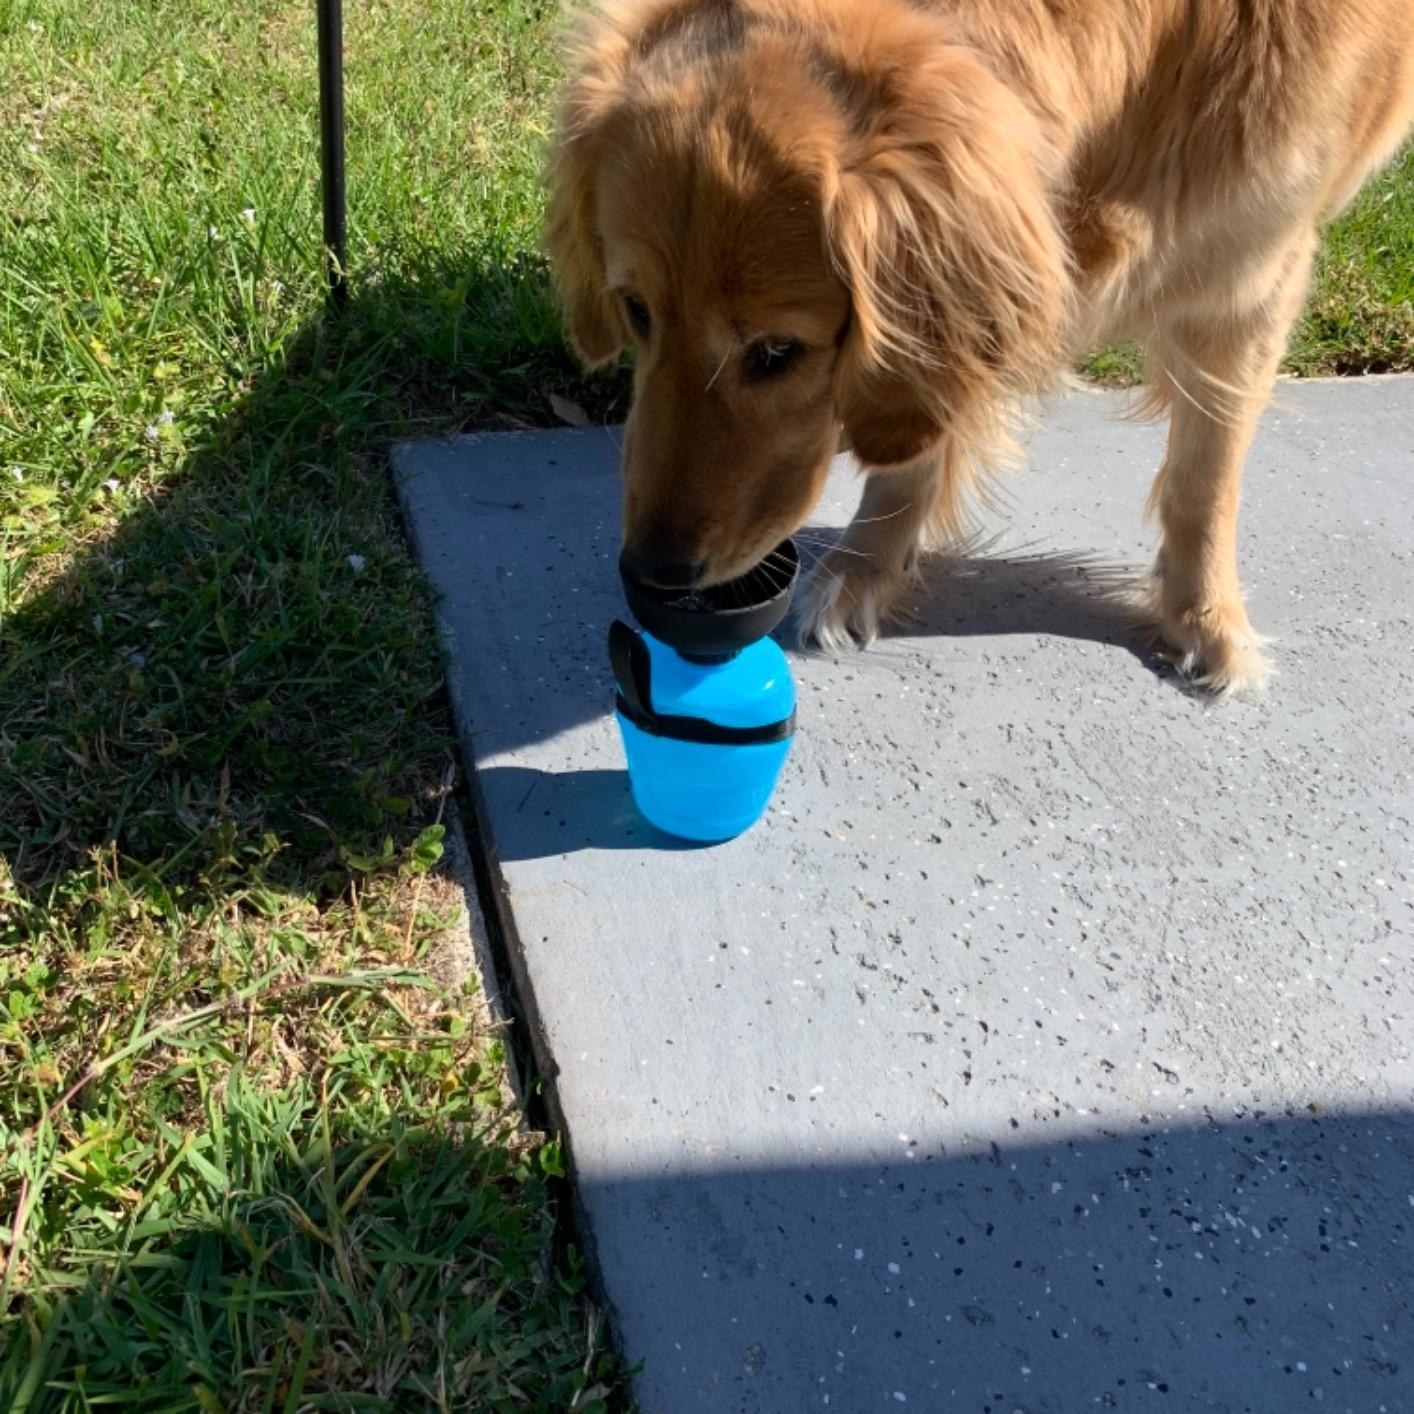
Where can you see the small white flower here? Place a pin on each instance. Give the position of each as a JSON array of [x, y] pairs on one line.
[[18, 472], [214, 232], [98, 623], [34, 27], [111, 484], [357, 562], [248, 214], [150, 432], [138, 660], [166, 418]]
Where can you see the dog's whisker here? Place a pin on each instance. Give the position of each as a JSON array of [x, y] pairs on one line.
[[809, 558], [839, 583], [874, 520], [828, 547], [712, 380]]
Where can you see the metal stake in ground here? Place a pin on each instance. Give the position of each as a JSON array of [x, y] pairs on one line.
[[331, 144]]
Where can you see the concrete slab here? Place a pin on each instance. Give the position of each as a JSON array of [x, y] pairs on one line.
[[1049, 1046]]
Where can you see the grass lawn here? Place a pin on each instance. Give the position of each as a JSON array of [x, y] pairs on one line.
[[255, 1149]]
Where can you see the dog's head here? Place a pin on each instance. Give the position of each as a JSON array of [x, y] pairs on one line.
[[801, 214]]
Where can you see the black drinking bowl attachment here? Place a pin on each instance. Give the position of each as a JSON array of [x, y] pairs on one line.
[[721, 619]]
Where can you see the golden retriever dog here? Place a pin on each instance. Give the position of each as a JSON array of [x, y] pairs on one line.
[[899, 219]]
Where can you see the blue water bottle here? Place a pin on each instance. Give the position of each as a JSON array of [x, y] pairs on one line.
[[706, 703]]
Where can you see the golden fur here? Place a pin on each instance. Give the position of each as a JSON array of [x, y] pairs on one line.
[[901, 218]]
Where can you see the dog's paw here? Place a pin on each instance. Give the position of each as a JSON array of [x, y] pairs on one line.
[[1215, 648], [847, 601]]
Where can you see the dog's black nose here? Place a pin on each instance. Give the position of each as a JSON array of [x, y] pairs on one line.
[[662, 568]]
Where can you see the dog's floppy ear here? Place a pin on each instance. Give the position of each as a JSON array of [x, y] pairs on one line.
[[940, 224], [572, 238]]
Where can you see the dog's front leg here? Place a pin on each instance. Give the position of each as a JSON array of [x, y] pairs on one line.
[[855, 587], [1217, 374]]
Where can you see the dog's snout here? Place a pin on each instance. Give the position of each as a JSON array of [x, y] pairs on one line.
[[663, 567]]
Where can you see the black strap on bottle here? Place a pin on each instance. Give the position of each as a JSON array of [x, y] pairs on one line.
[[633, 672]]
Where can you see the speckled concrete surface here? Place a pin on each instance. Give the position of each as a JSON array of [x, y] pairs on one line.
[[1049, 1046]]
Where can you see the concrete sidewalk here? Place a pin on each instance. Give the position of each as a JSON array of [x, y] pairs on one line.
[[1048, 1047]]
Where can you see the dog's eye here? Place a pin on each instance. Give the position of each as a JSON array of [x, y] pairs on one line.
[[638, 315], [768, 358]]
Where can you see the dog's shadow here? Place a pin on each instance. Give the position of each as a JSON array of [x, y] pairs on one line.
[[979, 588]]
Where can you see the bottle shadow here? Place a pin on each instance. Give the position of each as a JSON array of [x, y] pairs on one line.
[[547, 814]]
